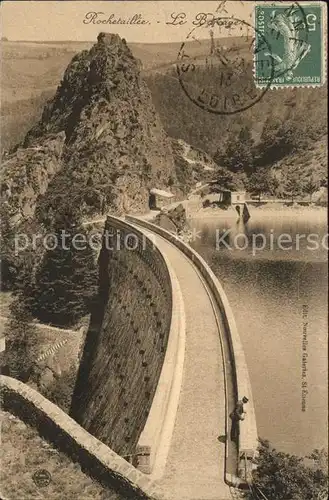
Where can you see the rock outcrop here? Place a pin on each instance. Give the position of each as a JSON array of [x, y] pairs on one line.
[[173, 220], [192, 164], [98, 148], [26, 174], [100, 141], [116, 148]]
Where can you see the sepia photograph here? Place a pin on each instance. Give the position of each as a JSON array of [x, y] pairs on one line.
[[164, 250]]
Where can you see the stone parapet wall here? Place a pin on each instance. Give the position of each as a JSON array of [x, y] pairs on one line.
[[95, 458], [238, 370]]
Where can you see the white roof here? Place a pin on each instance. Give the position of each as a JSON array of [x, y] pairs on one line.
[[161, 192]]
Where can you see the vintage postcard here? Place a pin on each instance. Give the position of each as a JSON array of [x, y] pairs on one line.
[[164, 239]]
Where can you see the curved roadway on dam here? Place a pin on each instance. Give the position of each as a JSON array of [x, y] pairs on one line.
[[195, 467]]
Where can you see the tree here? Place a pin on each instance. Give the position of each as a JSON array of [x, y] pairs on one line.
[[225, 178], [261, 182], [278, 140], [320, 458], [281, 137], [61, 389], [292, 183], [311, 186], [237, 154], [21, 340], [16, 263], [66, 281], [8, 267], [281, 476]]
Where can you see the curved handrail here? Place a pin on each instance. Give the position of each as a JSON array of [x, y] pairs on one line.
[[248, 441]]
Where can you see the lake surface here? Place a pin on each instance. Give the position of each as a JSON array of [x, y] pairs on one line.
[[279, 299]]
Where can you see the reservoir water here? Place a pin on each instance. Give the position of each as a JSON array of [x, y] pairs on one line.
[[279, 299]]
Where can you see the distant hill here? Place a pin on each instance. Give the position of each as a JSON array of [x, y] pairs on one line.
[[183, 119], [29, 68], [31, 71]]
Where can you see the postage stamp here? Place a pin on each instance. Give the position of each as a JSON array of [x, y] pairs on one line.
[[295, 34]]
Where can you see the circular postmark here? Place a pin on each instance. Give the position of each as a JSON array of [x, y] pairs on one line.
[[41, 478], [217, 71]]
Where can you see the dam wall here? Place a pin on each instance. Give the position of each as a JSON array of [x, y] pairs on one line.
[[126, 343]]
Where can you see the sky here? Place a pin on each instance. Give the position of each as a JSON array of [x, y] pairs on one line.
[[64, 20]]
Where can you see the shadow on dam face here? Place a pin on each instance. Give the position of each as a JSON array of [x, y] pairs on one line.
[[125, 344]]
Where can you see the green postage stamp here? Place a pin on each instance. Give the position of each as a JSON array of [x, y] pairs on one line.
[[289, 44]]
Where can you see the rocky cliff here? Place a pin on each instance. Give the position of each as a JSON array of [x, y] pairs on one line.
[[26, 174], [115, 146], [98, 147], [192, 164], [99, 144]]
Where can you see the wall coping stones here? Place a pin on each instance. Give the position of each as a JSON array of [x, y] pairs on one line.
[[248, 442], [95, 458]]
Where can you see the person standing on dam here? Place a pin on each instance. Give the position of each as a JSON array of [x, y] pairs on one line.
[[236, 415]]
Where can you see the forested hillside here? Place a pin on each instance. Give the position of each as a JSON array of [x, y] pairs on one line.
[[276, 132], [285, 131]]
